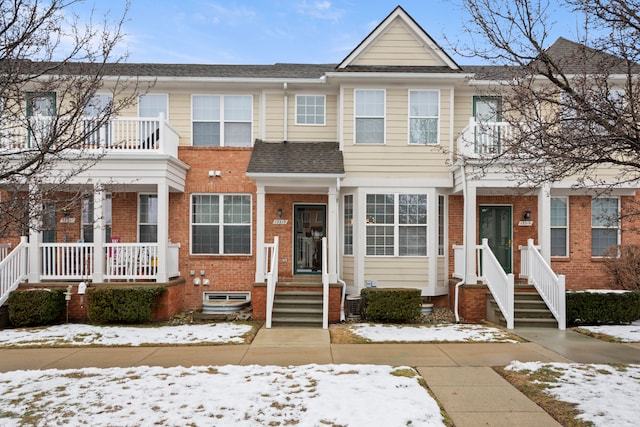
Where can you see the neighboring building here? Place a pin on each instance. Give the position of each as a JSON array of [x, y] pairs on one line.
[[365, 153]]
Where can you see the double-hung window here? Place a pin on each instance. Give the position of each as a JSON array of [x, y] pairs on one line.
[[559, 226], [423, 117], [348, 224], [310, 110], [88, 218], [148, 218], [396, 224], [221, 224], [369, 116], [604, 224], [222, 120]]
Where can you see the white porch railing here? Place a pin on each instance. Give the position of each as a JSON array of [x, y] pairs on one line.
[[499, 283], [325, 285], [66, 261], [136, 134], [13, 269], [478, 139], [549, 285], [271, 269], [131, 261], [5, 248]]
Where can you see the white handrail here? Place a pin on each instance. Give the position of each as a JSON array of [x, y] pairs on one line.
[[549, 285], [499, 283], [13, 269], [271, 259], [325, 286], [5, 248]]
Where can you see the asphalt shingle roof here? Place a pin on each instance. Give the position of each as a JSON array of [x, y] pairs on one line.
[[296, 158]]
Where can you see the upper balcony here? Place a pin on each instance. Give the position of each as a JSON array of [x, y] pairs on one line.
[[134, 135], [482, 140]]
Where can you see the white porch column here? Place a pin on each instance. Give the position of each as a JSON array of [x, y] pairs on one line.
[[333, 234], [544, 222], [432, 243], [163, 232], [470, 213], [259, 249], [35, 239], [99, 226]]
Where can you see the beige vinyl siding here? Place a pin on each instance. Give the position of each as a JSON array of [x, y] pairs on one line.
[[348, 269], [180, 116], [400, 272], [326, 132], [396, 157], [397, 46], [442, 271], [274, 122]]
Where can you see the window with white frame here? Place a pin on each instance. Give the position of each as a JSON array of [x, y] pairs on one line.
[[88, 218], [604, 224], [148, 218], [559, 226], [348, 224], [441, 225], [152, 105], [423, 116], [310, 109], [221, 224], [396, 224], [222, 120], [369, 116]]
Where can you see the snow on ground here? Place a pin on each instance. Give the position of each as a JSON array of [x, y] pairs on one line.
[[437, 333], [311, 395], [75, 334], [625, 333], [606, 395]]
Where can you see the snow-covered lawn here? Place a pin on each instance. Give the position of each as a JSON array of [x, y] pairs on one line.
[[311, 395], [624, 333], [605, 395], [430, 333]]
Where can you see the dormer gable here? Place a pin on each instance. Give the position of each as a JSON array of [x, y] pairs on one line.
[[398, 41]]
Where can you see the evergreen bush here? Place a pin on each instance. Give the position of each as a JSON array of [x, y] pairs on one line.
[[596, 308], [35, 307], [122, 305], [393, 305]]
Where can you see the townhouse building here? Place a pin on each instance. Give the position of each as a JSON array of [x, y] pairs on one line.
[[239, 182]]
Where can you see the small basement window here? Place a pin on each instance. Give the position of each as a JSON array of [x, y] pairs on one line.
[[224, 302]]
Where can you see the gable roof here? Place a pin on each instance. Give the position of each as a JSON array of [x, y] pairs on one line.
[[304, 158], [426, 50]]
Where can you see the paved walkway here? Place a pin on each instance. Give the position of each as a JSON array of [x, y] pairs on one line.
[[459, 375]]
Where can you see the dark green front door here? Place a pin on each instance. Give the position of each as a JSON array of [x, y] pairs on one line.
[[496, 226], [309, 229]]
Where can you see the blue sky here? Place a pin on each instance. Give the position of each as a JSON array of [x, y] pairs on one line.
[[270, 31]]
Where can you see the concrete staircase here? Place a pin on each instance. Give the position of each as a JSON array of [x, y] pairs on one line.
[[298, 302], [530, 310]]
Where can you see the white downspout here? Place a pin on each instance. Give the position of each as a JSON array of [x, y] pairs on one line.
[[286, 111], [464, 242], [343, 293]]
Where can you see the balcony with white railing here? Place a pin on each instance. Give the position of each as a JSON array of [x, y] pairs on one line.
[[482, 139], [120, 134]]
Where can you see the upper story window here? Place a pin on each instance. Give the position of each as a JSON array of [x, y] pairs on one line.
[[152, 105], [222, 120], [348, 224], [604, 224], [369, 116], [98, 105], [41, 104], [423, 116], [310, 110], [559, 226]]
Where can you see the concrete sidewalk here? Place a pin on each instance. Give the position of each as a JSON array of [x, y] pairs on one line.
[[459, 374]]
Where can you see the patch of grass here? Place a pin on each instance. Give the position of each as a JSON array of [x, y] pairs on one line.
[[342, 334], [525, 381], [404, 372], [598, 335]]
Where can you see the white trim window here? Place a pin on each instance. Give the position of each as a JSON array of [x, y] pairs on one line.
[[396, 225], [147, 218], [221, 120], [348, 224], [369, 116], [559, 227], [442, 221], [604, 224], [310, 110], [221, 224], [424, 111], [152, 105], [87, 218]]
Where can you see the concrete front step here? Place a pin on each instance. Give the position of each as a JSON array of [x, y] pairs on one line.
[[529, 311], [297, 308]]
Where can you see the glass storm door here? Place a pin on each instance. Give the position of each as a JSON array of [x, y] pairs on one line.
[[309, 229], [495, 225]]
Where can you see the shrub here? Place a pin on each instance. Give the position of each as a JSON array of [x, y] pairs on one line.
[[122, 305], [396, 305], [623, 263], [593, 308], [36, 307]]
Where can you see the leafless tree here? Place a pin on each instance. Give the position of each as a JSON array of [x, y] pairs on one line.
[[572, 107], [52, 65]]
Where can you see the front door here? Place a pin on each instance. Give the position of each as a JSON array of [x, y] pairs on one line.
[[309, 229], [495, 225]]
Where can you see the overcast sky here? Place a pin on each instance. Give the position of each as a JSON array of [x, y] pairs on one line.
[[270, 31]]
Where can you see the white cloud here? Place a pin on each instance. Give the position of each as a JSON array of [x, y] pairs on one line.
[[319, 9]]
